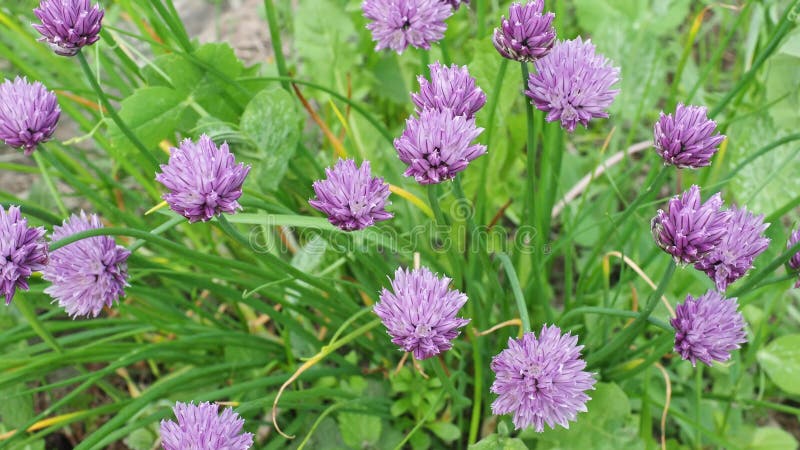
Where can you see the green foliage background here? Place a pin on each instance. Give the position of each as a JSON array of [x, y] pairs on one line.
[[209, 318]]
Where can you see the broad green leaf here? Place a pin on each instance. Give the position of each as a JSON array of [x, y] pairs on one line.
[[608, 423], [782, 83], [420, 441], [324, 40], [781, 360], [205, 82], [271, 121], [497, 442], [15, 409], [771, 438], [141, 439], [770, 181], [629, 33], [152, 113], [326, 436], [445, 431], [311, 255], [179, 92], [359, 430]]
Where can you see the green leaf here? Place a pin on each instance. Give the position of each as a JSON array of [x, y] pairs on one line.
[[767, 183], [782, 83], [445, 431], [325, 37], [420, 441], [771, 438], [781, 360], [309, 257], [15, 409], [179, 92], [272, 122], [629, 33], [152, 113], [141, 439], [198, 81], [497, 442], [607, 424], [359, 430]]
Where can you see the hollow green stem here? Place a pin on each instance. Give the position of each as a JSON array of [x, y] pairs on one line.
[[441, 224], [275, 38], [494, 98], [533, 131], [49, 183], [698, 398], [158, 230], [481, 13], [33, 320], [517, 290], [477, 394], [445, 51], [231, 231], [611, 312]]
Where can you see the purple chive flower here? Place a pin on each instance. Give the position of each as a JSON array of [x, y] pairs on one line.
[[687, 140], [420, 315], [22, 252], [708, 328], [68, 25], [437, 145], [573, 84], [794, 261], [527, 34], [690, 229], [201, 427], [396, 24], [28, 114], [351, 197], [87, 274], [203, 180], [456, 3], [541, 380], [733, 256], [450, 88]]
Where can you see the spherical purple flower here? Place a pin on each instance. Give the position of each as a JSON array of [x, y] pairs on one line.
[[541, 380], [201, 427], [420, 315], [733, 256], [28, 114], [22, 252], [573, 84], [437, 145], [794, 261], [456, 3], [87, 274], [687, 140], [527, 34], [351, 197], [689, 229], [450, 88], [203, 180], [708, 328], [68, 25], [396, 24]]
